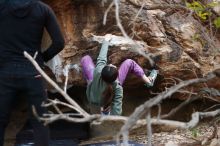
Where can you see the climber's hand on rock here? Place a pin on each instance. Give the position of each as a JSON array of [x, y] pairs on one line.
[[108, 37]]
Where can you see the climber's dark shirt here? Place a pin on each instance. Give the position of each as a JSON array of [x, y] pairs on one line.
[[22, 24]]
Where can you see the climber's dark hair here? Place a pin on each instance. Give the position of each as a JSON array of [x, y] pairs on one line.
[[109, 73]]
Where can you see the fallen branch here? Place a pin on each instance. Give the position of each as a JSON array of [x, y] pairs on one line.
[[106, 12], [135, 46], [116, 2], [144, 108], [55, 117], [48, 79], [149, 129], [211, 91], [176, 124], [175, 110], [57, 102]]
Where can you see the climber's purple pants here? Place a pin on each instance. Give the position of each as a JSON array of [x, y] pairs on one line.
[[128, 66]]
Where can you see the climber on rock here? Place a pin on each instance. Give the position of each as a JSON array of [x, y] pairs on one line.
[[105, 81]]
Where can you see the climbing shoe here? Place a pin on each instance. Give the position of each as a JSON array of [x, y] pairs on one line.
[[153, 76]]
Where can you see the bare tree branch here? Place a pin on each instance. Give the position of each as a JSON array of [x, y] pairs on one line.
[[106, 12], [141, 110], [57, 102], [118, 19], [136, 47], [143, 122], [54, 117], [149, 129], [175, 110], [66, 96]]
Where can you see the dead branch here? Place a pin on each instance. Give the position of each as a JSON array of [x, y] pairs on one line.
[[214, 106], [106, 12], [54, 117], [66, 83], [149, 128], [142, 122], [116, 2], [183, 125], [175, 110], [211, 91], [66, 96], [144, 108], [57, 102], [136, 47], [57, 109], [134, 21], [159, 111]]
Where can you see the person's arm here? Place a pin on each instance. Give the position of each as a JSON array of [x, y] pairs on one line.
[[54, 31], [117, 100], [102, 58]]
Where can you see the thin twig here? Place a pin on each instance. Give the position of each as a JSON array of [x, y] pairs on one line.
[[66, 83], [106, 12], [142, 109], [175, 110], [149, 129], [59, 103], [159, 111], [54, 117], [118, 19], [66, 96]]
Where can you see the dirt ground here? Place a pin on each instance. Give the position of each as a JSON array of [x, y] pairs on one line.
[[203, 133], [161, 135], [178, 137], [188, 137]]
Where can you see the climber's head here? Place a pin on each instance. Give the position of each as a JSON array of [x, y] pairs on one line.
[[109, 73]]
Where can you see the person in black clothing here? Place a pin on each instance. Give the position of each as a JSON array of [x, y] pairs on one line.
[[21, 28]]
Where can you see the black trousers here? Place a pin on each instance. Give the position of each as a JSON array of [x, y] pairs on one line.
[[33, 89]]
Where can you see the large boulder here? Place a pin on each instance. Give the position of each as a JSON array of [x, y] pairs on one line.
[[185, 46]]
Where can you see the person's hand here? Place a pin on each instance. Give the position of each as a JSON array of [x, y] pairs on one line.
[[108, 37], [106, 111]]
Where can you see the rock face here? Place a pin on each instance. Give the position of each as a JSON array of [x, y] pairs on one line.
[[185, 46]]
